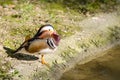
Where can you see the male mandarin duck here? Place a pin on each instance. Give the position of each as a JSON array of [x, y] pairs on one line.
[[45, 41]]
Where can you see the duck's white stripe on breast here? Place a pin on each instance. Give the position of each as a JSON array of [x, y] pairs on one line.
[[51, 43]]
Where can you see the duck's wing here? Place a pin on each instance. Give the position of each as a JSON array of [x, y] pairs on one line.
[[36, 45]]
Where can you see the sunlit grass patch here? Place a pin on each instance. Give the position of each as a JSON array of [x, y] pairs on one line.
[[6, 72], [23, 30]]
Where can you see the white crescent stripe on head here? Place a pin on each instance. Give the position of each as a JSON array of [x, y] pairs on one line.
[[47, 28]]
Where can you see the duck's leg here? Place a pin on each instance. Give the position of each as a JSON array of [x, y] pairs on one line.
[[43, 60]]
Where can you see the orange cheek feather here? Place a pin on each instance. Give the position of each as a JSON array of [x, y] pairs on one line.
[[46, 34]]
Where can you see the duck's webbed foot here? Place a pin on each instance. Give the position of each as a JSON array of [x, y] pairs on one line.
[[43, 61]]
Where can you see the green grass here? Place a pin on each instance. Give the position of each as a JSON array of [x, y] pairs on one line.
[[87, 5], [26, 17]]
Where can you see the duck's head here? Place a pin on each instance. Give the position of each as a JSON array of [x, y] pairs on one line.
[[47, 31]]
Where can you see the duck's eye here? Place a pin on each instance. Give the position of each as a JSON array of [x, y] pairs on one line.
[[49, 29]]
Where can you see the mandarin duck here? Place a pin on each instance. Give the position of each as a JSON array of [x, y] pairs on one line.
[[44, 41]]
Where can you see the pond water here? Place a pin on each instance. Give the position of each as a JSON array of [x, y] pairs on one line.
[[106, 67]]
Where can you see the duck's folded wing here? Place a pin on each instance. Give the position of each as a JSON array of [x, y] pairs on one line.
[[36, 45]]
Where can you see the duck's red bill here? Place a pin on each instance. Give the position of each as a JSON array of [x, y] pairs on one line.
[[56, 38]]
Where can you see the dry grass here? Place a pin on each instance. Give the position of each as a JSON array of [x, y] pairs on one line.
[[18, 21]]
